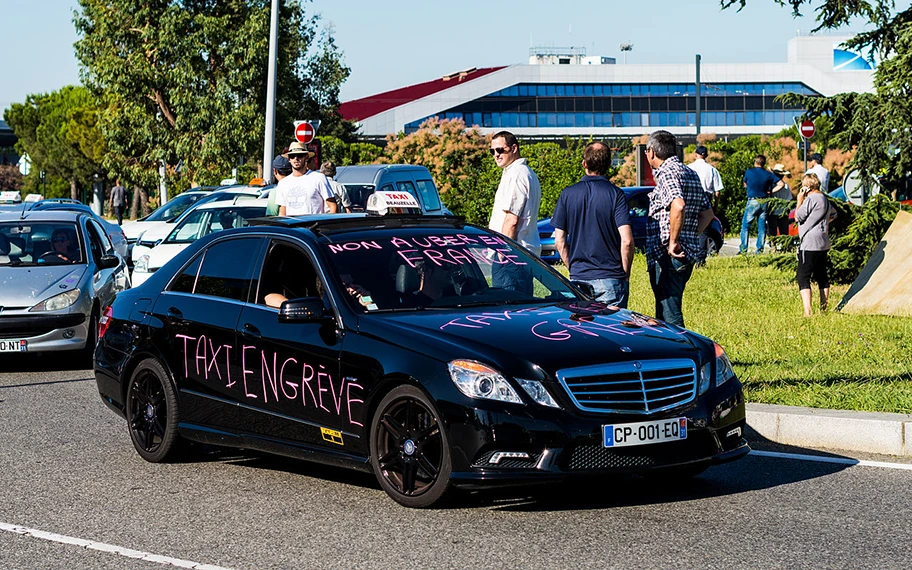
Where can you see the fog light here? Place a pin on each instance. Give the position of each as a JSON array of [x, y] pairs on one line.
[[69, 333], [495, 459], [735, 432]]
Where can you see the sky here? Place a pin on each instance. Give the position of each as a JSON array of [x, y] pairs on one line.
[[397, 43]]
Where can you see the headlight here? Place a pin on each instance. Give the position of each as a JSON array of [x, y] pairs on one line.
[[724, 370], [57, 302], [476, 380], [142, 264], [538, 392]]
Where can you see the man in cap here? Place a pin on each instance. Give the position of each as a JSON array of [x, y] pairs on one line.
[[711, 181], [306, 191], [816, 167], [281, 167]]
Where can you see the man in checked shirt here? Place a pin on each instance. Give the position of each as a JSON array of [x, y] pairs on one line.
[[679, 211]]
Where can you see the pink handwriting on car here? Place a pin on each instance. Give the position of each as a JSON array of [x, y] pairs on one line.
[[280, 378]]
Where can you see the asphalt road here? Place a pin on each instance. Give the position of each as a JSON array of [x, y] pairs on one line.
[[67, 467]]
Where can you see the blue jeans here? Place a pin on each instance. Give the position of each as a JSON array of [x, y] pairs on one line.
[[611, 291], [754, 209], [668, 276]]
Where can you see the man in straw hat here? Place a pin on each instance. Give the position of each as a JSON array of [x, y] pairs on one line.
[[305, 191], [779, 225]]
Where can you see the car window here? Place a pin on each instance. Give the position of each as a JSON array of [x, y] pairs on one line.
[[428, 195], [98, 233], [639, 205], [419, 268], [288, 273], [173, 208], [186, 281], [34, 243], [358, 194], [227, 268]]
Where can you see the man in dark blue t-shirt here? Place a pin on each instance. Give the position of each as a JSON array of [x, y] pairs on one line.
[[593, 216], [760, 183]]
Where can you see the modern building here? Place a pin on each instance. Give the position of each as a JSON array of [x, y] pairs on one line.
[[562, 92]]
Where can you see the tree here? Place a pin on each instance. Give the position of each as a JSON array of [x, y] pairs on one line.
[[58, 132], [876, 123], [10, 178], [184, 81]]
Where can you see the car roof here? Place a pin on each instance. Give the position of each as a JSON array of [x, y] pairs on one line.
[[43, 216], [233, 203], [367, 173], [336, 222]]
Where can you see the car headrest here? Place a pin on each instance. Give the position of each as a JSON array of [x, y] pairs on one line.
[[407, 281], [4, 245]]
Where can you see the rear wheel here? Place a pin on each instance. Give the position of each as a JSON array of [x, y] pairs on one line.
[[152, 413], [410, 451]]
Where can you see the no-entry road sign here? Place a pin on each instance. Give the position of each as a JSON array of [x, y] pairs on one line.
[[807, 129], [304, 132]]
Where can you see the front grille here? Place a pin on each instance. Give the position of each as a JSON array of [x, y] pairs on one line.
[[36, 325], [636, 387], [595, 456]]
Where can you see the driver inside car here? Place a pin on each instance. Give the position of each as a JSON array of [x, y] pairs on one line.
[[63, 249]]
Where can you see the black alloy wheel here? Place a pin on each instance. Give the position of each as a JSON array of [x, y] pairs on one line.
[[410, 452], [152, 413]]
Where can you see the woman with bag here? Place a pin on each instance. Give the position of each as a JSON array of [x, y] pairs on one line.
[[813, 214]]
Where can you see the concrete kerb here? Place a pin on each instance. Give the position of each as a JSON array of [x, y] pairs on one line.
[[869, 432]]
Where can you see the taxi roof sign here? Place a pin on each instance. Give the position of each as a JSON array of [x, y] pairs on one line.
[[10, 197], [385, 203]]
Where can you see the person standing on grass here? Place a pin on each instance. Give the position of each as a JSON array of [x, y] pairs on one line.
[[594, 215], [679, 211], [813, 214], [760, 183], [118, 202]]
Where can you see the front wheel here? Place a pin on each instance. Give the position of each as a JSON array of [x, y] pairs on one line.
[[410, 451], [152, 413]]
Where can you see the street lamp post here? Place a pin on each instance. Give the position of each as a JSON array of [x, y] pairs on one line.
[[269, 135], [625, 48]]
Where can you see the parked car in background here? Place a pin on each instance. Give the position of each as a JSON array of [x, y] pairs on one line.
[[114, 231], [199, 222], [58, 270], [167, 212], [362, 180], [638, 202], [152, 236]]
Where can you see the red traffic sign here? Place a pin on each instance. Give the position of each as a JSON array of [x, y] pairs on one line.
[[807, 129], [304, 132]]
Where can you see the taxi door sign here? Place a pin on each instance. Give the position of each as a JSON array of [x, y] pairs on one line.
[[332, 436]]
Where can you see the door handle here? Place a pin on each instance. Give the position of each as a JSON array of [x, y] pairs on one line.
[[251, 331], [174, 314]]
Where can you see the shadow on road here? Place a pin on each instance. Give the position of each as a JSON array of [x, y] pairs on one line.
[[45, 363]]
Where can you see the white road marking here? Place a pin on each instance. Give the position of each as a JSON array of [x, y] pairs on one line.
[[114, 549], [840, 460]]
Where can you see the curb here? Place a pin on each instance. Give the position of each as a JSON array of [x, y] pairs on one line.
[[869, 432]]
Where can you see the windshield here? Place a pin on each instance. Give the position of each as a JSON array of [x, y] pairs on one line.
[[173, 208], [202, 222], [40, 243], [419, 268]]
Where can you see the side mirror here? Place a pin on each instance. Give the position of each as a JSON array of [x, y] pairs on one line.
[[303, 310], [108, 261], [586, 288]]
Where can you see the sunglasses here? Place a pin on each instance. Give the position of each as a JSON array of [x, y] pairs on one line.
[[60, 239], [499, 151], [294, 156]]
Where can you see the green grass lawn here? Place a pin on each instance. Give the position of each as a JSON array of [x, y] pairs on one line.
[[832, 360]]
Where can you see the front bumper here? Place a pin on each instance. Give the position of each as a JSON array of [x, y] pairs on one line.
[[569, 444], [46, 333]]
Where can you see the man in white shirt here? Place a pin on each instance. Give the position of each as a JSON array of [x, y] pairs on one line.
[[709, 175], [816, 167], [305, 192], [516, 206]]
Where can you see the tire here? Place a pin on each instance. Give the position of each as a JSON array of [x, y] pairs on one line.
[[87, 354], [410, 451], [713, 245], [152, 413]]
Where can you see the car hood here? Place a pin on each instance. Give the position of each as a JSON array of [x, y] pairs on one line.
[[162, 253], [24, 286], [556, 336], [133, 229]]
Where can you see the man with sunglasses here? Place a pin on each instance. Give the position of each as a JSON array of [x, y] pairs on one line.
[[679, 211], [306, 191], [516, 206]]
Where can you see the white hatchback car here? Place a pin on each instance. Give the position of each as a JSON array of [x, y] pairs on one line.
[[199, 222]]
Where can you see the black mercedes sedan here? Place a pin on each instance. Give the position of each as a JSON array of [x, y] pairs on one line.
[[433, 353]]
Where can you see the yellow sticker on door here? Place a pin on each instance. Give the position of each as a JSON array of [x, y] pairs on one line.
[[332, 436]]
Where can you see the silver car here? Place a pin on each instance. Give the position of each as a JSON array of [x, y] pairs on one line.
[[58, 270]]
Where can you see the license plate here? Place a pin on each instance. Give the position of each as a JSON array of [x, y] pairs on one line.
[[644, 433], [13, 345]]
